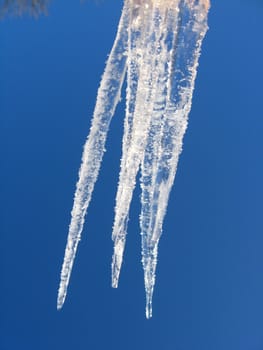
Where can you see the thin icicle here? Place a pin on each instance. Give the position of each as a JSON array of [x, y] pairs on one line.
[[107, 99], [192, 29], [135, 34], [149, 167], [143, 50]]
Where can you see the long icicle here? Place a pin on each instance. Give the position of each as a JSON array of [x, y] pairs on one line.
[[107, 99], [144, 29], [149, 168], [135, 34], [192, 28]]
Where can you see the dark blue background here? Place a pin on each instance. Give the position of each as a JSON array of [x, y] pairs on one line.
[[209, 288]]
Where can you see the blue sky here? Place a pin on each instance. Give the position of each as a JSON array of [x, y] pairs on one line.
[[209, 287]]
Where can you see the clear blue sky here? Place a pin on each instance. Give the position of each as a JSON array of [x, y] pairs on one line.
[[209, 288]]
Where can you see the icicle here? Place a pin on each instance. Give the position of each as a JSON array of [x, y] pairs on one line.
[[150, 176], [159, 41], [191, 30], [142, 68], [107, 99]]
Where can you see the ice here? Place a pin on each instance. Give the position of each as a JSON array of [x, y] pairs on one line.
[[158, 43]]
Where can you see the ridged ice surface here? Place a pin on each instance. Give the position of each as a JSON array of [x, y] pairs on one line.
[[158, 44], [108, 96]]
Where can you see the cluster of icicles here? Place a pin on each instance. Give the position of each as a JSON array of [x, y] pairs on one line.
[[157, 47]]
